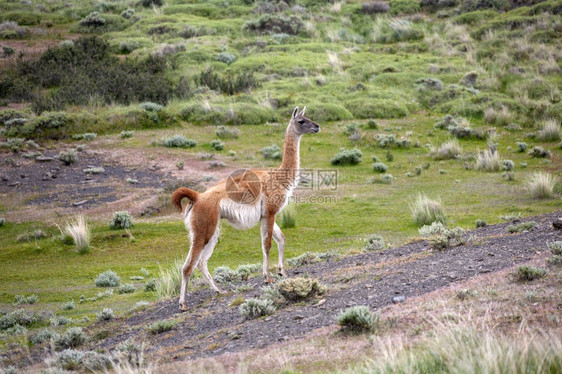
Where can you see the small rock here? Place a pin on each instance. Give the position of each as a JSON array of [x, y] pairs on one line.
[[397, 292], [13, 184], [78, 203], [398, 299], [44, 159], [369, 286], [22, 176], [557, 223], [320, 302], [298, 317], [267, 319], [5, 178]]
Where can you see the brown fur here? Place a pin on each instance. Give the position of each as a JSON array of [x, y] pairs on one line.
[[205, 211], [182, 192]]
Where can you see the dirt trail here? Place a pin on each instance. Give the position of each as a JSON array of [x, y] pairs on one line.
[[213, 327]]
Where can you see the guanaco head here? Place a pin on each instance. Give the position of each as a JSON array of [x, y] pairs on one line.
[[301, 124]]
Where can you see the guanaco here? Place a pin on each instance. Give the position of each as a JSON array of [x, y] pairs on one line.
[[247, 197]]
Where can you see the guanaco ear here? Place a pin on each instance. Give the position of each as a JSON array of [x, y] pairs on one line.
[[303, 110], [295, 112]]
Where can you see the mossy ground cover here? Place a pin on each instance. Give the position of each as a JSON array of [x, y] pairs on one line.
[[346, 66]]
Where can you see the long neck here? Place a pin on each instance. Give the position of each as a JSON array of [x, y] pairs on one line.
[[291, 150]]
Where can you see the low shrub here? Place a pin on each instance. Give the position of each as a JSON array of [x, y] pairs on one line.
[[105, 315], [126, 288], [529, 273], [380, 167], [357, 319], [275, 24], [539, 152], [295, 289], [374, 243], [386, 140], [217, 145], [225, 57], [541, 185], [555, 247], [507, 165], [121, 220], [347, 157], [85, 136], [68, 157], [244, 271], [107, 279], [28, 300], [93, 20], [426, 211], [480, 223], [304, 259], [225, 275], [224, 132], [521, 147], [522, 227], [69, 359], [150, 286], [179, 141], [162, 326], [72, 338], [272, 152], [126, 134], [70, 305], [45, 335], [253, 308]]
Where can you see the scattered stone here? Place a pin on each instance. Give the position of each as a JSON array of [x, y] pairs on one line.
[[557, 223], [398, 299], [321, 302], [44, 159]]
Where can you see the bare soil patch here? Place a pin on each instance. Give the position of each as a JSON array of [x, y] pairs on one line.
[[212, 327]]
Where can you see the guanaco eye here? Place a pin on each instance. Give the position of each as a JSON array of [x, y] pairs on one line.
[[301, 121]]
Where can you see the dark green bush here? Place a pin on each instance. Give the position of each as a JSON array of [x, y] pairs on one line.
[[275, 24], [229, 83], [404, 6], [83, 70]]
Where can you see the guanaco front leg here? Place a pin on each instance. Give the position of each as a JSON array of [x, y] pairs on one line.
[[280, 240], [267, 224]]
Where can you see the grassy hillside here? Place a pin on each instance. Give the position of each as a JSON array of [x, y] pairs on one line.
[[423, 88]]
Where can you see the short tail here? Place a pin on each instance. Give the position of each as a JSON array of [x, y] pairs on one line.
[[182, 192]]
